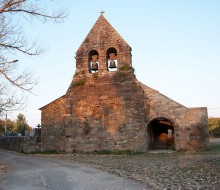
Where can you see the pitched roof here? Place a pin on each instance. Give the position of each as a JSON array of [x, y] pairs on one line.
[[101, 33], [58, 99]]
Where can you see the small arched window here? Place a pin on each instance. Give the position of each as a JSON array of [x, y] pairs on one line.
[[93, 61], [111, 57]]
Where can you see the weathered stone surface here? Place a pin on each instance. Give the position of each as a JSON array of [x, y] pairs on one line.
[[190, 124], [21, 144], [112, 110], [54, 116]]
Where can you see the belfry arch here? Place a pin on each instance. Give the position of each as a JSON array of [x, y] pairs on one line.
[[111, 59], [161, 134], [93, 61]]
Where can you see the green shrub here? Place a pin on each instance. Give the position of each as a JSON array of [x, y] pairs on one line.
[[95, 75], [126, 67], [214, 127], [80, 82], [121, 75]]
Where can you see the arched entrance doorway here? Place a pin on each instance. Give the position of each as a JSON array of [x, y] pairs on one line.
[[161, 134]]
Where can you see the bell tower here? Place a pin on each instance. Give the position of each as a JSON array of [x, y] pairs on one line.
[[102, 51], [104, 93]]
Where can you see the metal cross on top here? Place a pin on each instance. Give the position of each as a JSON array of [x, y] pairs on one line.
[[102, 12]]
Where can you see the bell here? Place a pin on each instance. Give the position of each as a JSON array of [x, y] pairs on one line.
[[112, 64], [94, 66]]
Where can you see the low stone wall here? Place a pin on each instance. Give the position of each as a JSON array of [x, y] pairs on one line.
[[21, 144]]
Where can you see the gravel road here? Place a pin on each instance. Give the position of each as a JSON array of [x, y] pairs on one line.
[[159, 171], [174, 171], [36, 173]]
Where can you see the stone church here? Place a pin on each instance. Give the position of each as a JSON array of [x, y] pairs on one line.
[[107, 108]]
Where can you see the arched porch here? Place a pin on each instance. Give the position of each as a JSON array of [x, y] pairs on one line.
[[161, 134]]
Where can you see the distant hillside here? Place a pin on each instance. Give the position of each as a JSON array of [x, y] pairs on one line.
[[214, 127]]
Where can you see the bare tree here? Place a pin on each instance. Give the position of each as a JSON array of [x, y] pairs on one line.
[[13, 42]]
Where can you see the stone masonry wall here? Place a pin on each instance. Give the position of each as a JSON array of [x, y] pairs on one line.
[[112, 112], [53, 125], [106, 113], [21, 144], [190, 124], [194, 130]]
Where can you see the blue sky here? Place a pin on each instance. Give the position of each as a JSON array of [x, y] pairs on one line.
[[175, 48]]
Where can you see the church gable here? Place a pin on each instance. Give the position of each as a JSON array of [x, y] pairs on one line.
[[103, 49], [102, 36]]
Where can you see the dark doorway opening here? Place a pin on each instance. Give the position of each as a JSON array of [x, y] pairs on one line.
[[161, 134]]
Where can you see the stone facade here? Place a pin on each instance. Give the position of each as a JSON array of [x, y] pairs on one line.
[[107, 108]]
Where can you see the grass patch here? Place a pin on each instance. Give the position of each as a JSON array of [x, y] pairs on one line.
[[116, 152], [44, 152], [215, 148]]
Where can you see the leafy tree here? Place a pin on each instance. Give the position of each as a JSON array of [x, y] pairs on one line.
[[10, 126], [21, 124], [14, 43], [214, 127]]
